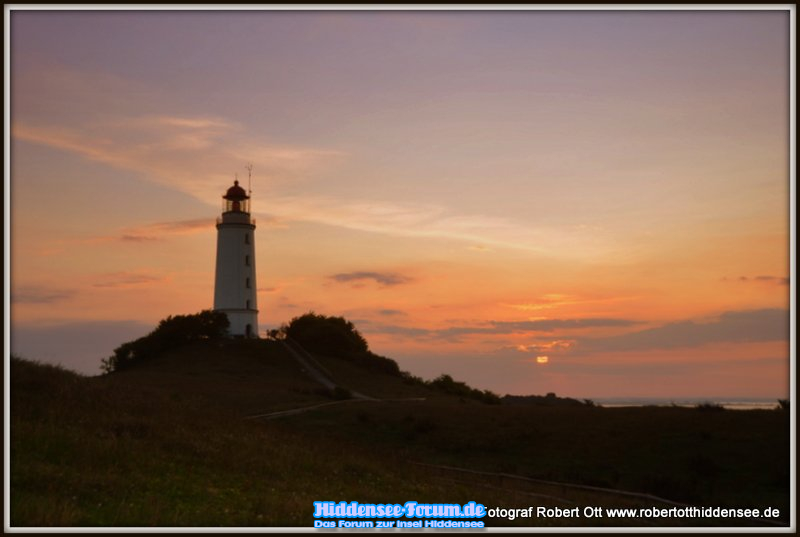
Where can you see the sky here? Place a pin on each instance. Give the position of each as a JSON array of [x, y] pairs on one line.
[[592, 203]]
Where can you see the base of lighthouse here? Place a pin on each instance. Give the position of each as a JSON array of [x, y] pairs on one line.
[[243, 323]]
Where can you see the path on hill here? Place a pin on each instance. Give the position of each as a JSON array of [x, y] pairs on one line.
[[318, 372], [314, 369], [302, 409]]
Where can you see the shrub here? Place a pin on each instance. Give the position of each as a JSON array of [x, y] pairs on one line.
[[336, 336], [446, 384], [411, 380], [710, 407], [333, 336], [170, 333]]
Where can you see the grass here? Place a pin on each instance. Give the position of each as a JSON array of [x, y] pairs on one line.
[[165, 444], [727, 459], [87, 452]]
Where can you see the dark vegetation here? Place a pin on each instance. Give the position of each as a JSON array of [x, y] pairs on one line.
[[550, 399], [170, 333], [710, 407], [171, 438], [338, 337]]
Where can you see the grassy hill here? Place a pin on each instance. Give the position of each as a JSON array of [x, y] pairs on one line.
[[168, 443]]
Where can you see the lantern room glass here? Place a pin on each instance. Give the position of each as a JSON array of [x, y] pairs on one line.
[[235, 206]]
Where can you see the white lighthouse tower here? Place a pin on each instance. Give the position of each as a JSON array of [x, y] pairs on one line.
[[235, 285]]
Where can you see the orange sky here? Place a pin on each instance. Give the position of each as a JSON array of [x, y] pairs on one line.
[[471, 189]]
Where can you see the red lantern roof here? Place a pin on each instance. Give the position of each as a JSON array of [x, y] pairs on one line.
[[236, 192]]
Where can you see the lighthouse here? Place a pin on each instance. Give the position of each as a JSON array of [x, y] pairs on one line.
[[235, 283]]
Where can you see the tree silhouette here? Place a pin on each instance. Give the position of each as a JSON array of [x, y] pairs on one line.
[[170, 333]]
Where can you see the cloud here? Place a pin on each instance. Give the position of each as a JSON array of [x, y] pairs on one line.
[[391, 312], [196, 154], [269, 289], [39, 295], [137, 238], [183, 226], [385, 279], [548, 301], [548, 325], [426, 220], [126, 279], [728, 327], [396, 330], [558, 346], [778, 280], [455, 333], [555, 300], [160, 230], [193, 154]]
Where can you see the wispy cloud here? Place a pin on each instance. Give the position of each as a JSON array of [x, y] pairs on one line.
[[269, 289], [160, 230], [555, 300], [547, 301], [192, 154], [196, 154], [456, 333], [137, 238], [142, 234], [548, 346], [384, 279], [426, 220], [728, 327], [126, 279], [33, 294], [777, 280]]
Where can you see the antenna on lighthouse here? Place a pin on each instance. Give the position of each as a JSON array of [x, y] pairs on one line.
[[249, 168]]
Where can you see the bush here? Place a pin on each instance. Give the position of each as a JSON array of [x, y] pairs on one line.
[[332, 336], [336, 336], [710, 407], [411, 380], [170, 333], [446, 384]]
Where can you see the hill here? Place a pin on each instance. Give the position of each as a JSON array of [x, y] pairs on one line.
[[191, 438]]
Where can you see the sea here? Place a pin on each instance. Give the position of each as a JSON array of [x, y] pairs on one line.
[[727, 403]]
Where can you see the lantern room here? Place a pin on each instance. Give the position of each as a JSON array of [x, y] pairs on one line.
[[236, 200]]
